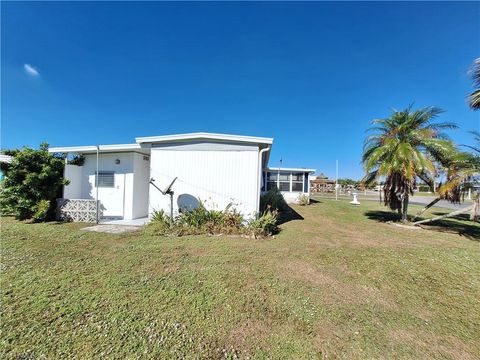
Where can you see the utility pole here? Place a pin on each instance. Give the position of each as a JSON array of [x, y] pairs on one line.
[[336, 181]]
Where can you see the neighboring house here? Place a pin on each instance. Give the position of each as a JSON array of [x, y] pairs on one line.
[[4, 159], [322, 183], [217, 169]]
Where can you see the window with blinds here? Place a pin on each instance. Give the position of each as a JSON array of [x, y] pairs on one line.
[[106, 179]]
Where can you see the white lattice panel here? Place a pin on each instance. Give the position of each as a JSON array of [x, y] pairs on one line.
[[77, 210]]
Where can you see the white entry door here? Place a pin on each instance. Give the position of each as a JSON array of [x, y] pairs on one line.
[[111, 194]]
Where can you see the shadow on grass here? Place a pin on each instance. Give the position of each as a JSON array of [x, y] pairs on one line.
[[460, 224], [315, 201], [382, 216], [289, 215]]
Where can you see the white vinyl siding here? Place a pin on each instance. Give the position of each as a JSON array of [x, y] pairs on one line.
[[215, 177]]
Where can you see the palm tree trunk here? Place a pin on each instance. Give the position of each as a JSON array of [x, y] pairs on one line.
[[405, 208], [454, 213], [474, 213], [426, 208]]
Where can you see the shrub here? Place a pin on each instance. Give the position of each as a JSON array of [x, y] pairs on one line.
[[232, 220], [273, 200], [203, 221], [159, 215], [265, 225], [200, 220], [303, 200], [33, 178], [42, 211], [160, 224]]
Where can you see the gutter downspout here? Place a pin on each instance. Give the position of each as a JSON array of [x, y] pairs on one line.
[[259, 180], [96, 185]]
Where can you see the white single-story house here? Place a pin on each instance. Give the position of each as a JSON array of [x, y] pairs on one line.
[[4, 159], [217, 169]]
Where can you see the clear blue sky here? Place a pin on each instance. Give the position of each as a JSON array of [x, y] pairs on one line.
[[311, 75]]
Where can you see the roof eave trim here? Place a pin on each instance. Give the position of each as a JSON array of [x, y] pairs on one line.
[[90, 148], [207, 136]]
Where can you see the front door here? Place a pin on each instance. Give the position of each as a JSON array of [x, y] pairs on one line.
[[111, 194]]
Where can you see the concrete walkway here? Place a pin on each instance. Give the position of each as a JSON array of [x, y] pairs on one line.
[[112, 229], [134, 222]]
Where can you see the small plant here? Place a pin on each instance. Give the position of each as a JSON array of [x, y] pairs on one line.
[[232, 221], [42, 212], [160, 224], [272, 199], [303, 200], [159, 215], [200, 217], [265, 225]]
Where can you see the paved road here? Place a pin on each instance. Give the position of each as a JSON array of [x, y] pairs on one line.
[[417, 200], [424, 200]]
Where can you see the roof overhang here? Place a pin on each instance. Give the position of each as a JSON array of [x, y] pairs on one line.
[[310, 171], [92, 149], [204, 136]]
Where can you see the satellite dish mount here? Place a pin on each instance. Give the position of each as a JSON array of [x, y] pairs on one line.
[[167, 191]]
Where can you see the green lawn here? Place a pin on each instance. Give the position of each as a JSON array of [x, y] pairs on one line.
[[339, 284]]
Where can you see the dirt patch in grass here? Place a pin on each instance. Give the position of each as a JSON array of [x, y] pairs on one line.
[[250, 335], [337, 291], [428, 345], [327, 340]]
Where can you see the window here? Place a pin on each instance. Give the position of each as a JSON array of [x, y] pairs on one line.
[[284, 181], [297, 182], [271, 180], [106, 179]]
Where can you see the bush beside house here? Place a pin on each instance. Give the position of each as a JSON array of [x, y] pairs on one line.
[[200, 220], [33, 181]]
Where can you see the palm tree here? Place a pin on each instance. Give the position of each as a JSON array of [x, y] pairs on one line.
[[461, 174], [461, 170], [401, 149], [474, 97]]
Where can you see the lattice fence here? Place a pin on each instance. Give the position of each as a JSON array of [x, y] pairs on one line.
[[77, 210]]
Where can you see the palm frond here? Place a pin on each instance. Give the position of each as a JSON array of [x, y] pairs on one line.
[[474, 97]]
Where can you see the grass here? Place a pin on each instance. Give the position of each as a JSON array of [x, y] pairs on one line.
[[340, 283]]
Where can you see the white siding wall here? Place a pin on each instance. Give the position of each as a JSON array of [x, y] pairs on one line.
[[116, 201], [141, 177], [73, 190], [218, 175], [292, 197]]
